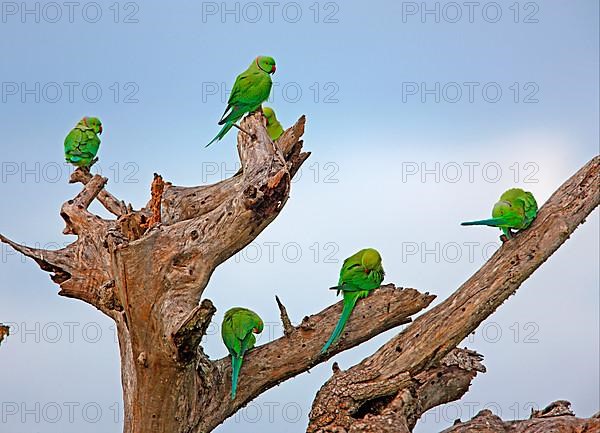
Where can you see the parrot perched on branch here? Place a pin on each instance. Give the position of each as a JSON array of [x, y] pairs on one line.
[[238, 329], [515, 210], [82, 143], [251, 88], [360, 275], [274, 128]]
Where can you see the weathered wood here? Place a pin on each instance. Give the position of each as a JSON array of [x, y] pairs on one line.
[[557, 417], [155, 205], [110, 202], [288, 328], [399, 413]]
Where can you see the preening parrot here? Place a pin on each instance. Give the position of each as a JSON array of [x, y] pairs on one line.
[[515, 210], [238, 329], [82, 143], [360, 275]]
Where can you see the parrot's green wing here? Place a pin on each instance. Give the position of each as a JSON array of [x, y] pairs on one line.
[[524, 203], [233, 344], [530, 207], [73, 140], [250, 90], [248, 342], [351, 264], [243, 324], [81, 147]]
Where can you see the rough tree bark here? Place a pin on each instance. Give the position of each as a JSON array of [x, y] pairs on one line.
[[556, 417], [148, 269]]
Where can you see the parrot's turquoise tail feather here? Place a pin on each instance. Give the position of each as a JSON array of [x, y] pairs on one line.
[[236, 365], [349, 303], [224, 130], [494, 222]]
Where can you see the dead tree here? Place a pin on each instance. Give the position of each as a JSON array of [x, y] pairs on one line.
[[147, 270]]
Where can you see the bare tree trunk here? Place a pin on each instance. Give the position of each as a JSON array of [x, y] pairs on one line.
[[148, 269]]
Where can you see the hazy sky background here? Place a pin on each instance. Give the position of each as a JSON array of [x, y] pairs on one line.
[[397, 163]]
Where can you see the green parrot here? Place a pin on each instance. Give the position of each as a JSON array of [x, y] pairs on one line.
[[516, 210], [250, 90], [238, 329], [360, 275], [274, 128], [82, 143]]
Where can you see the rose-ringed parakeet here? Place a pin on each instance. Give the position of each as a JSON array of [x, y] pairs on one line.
[[250, 90], [274, 128], [516, 210], [82, 143], [360, 275], [238, 329]]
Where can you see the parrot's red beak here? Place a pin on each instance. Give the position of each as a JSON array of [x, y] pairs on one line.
[[273, 69], [100, 129]]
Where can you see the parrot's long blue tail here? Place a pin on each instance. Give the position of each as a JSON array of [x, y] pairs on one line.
[[236, 365], [349, 303], [493, 222], [224, 130]]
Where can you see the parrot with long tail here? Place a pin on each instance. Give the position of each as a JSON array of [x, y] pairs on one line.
[[251, 88], [515, 210], [360, 275], [238, 329]]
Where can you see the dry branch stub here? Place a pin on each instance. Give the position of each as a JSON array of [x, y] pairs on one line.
[[556, 417]]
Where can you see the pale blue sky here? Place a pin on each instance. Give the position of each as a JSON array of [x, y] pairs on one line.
[[370, 141]]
